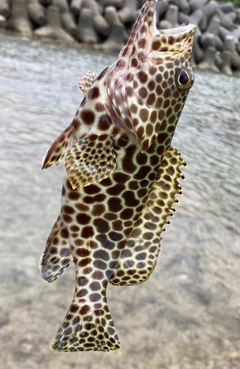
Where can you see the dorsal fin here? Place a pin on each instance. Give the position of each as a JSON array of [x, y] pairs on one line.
[[86, 81]]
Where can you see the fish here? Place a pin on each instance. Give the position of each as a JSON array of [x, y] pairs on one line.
[[121, 177]]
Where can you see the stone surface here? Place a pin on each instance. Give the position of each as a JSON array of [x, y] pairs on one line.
[[86, 32], [53, 29], [91, 22], [4, 8], [128, 13], [3, 21], [68, 23], [19, 21], [75, 6], [37, 13]]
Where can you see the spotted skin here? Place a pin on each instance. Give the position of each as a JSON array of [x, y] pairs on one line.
[[141, 252], [121, 177]]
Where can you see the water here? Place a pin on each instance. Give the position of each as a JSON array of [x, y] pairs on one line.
[[188, 314]]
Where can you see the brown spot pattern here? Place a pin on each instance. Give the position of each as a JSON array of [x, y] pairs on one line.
[[123, 181]]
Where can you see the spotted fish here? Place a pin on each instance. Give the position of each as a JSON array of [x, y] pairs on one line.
[[121, 177]]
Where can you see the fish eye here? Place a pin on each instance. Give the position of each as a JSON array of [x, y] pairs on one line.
[[184, 79]]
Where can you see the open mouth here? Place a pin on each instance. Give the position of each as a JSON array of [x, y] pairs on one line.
[[181, 30], [173, 40]]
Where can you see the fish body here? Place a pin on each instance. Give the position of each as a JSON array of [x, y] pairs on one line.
[[121, 177]]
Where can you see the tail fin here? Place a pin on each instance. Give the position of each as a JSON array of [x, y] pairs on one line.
[[57, 255], [88, 326]]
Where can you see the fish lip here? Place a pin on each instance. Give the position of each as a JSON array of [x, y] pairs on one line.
[[188, 30]]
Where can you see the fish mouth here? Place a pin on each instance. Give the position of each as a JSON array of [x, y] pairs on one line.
[[177, 39], [151, 42], [168, 42], [181, 31]]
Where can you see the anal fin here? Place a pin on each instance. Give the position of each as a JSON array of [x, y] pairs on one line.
[[57, 255], [140, 255], [90, 160]]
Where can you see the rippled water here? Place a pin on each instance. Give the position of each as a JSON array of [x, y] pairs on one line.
[[188, 314]]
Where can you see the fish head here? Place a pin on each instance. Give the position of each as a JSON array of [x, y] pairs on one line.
[[158, 74]]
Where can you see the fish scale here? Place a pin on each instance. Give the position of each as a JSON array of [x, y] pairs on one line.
[[121, 177]]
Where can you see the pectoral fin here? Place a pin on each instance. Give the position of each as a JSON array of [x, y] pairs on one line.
[[86, 82], [90, 160], [59, 148], [140, 255]]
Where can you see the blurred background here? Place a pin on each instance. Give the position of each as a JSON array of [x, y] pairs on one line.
[[106, 24], [187, 316]]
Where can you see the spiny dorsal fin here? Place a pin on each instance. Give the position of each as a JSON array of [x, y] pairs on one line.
[[90, 160], [59, 147], [86, 81], [140, 255]]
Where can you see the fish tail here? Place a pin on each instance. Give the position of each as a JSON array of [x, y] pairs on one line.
[[88, 326], [57, 255]]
